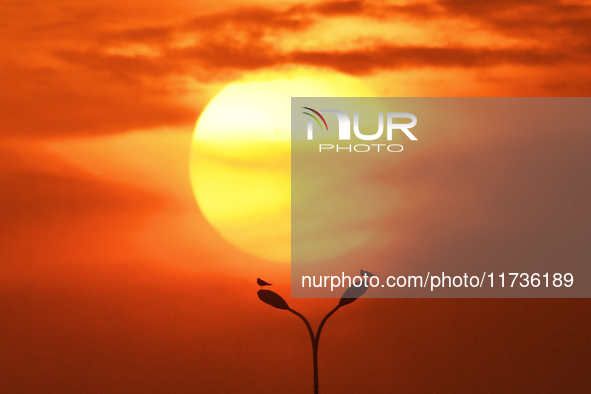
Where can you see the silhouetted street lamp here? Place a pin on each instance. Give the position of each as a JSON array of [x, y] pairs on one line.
[[275, 300]]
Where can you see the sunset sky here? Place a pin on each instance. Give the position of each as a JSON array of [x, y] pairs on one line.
[[113, 281]]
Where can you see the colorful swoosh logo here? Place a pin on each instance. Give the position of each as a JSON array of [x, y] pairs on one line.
[[315, 118]]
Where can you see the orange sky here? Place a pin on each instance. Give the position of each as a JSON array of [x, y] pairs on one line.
[[112, 281]]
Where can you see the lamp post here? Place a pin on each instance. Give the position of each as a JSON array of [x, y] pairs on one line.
[[275, 300]]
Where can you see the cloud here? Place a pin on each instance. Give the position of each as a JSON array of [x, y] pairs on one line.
[[331, 8], [551, 23], [80, 74], [252, 19], [52, 213], [392, 57], [376, 9], [92, 95], [250, 38]]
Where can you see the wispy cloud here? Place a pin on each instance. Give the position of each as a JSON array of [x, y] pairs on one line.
[[77, 73]]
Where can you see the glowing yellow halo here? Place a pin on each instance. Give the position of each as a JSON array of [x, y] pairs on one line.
[[240, 158]]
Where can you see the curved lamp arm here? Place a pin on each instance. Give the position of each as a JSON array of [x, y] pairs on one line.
[[324, 321], [310, 331]]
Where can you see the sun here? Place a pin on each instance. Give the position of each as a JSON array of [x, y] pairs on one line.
[[240, 156]]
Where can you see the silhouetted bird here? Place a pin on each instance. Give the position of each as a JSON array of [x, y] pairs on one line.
[[262, 283], [366, 272]]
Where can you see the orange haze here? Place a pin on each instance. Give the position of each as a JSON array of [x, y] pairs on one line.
[[111, 281]]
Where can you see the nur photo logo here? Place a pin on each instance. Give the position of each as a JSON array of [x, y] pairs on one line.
[[344, 130]]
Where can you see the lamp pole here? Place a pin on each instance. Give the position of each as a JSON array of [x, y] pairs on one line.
[[275, 300], [315, 339]]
